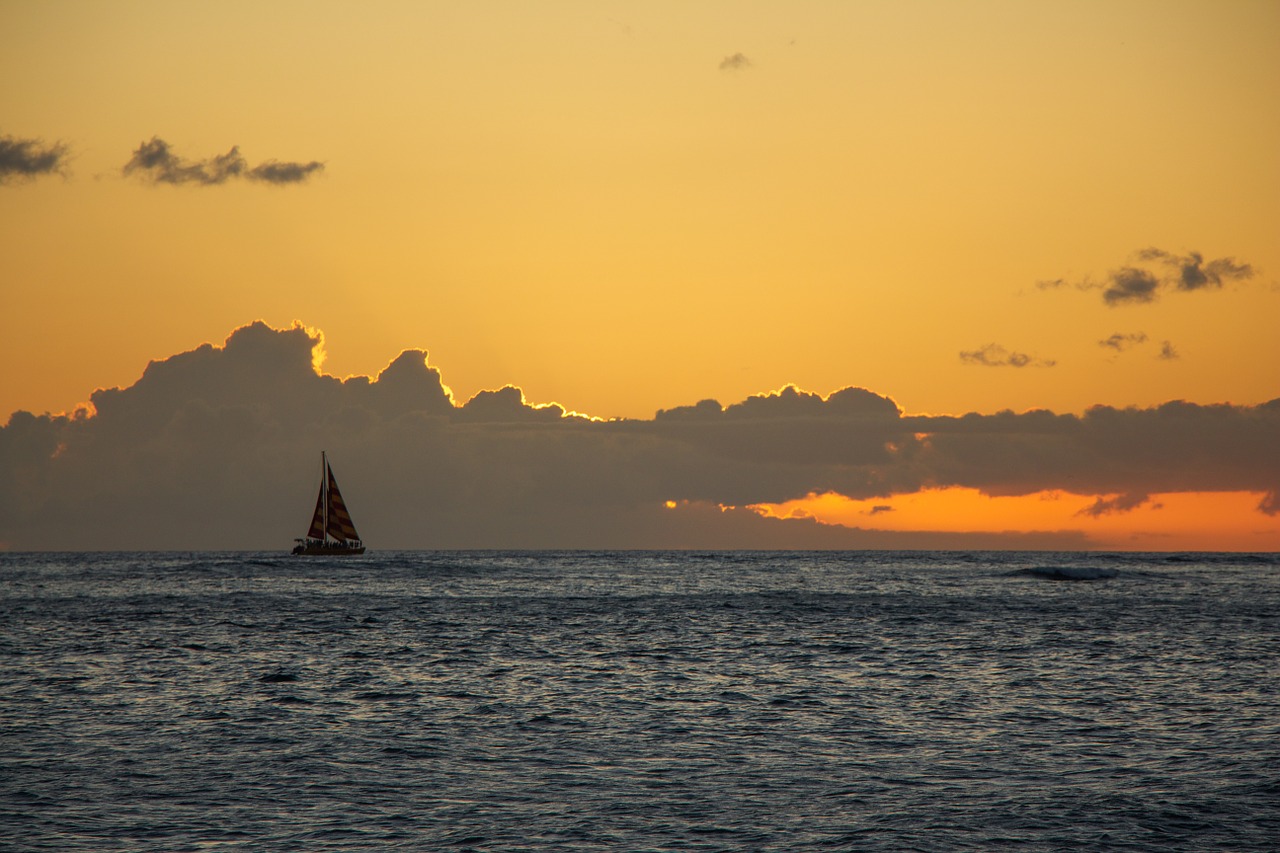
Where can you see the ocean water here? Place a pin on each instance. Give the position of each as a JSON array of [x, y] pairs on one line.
[[639, 701]]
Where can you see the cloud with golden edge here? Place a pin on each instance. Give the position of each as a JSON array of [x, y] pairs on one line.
[[212, 448]]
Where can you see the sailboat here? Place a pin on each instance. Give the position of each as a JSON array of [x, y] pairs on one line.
[[331, 533]]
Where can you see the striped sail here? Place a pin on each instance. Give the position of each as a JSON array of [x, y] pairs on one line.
[[340, 525], [316, 531]]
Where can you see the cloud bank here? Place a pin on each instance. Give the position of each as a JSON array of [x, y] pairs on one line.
[[218, 448], [25, 159], [156, 162]]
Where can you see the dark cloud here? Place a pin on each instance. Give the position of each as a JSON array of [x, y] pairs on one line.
[[736, 62], [1119, 504], [215, 447], [994, 355], [275, 172], [1128, 285], [24, 159], [1192, 273], [1137, 284], [1167, 351], [879, 508], [155, 161], [1121, 342]]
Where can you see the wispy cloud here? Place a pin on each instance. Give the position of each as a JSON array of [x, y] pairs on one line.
[[1152, 271], [1167, 351], [1121, 342], [156, 162], [736, 62], [1110, 506], [275, 172], [1191, 272], [995, 355], [24, 159]]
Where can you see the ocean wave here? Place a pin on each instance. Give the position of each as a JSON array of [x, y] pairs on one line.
[[1068, 573]]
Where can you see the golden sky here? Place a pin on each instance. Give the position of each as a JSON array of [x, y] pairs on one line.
[[625, 207]]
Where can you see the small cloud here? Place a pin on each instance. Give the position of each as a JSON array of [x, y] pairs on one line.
[[275, 172], [1120, 503], [1192, 273], [24, 159], [1167, 352], [994, 355], [737, 62], [1121, 342], [1136, 283], [155, 161], [879, 508], [1130, 284]]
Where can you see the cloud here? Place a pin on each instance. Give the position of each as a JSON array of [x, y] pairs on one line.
[[994, 355], [215, 447], [275, 172], [736, 62], [25, 159], [1156, 270], [155, 161], [1192, 273], [1130, 284], [1121, 342], [1119, 504]]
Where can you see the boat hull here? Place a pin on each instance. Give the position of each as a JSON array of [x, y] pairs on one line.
[[331, 549]]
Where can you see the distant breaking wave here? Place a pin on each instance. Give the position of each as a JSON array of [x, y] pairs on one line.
[[1068, 573]]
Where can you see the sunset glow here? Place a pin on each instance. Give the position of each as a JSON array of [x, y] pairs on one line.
[[1195, 521], [553, 257]]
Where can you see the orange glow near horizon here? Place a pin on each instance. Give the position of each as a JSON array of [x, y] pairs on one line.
[[1184, 521]]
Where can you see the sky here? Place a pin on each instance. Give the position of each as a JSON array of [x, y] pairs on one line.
[[1044, 235]]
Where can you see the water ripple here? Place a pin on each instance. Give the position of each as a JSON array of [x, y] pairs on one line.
[[668, 701]]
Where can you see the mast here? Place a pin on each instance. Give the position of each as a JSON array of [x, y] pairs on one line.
[[331, 531]]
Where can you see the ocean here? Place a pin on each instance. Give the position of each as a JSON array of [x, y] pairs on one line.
[[639, 701]]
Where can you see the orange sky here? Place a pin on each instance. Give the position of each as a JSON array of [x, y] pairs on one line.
[[626, 207], [1187, 521]]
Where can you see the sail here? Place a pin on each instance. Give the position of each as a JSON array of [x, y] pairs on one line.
[[340, 526], [316, 531]]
